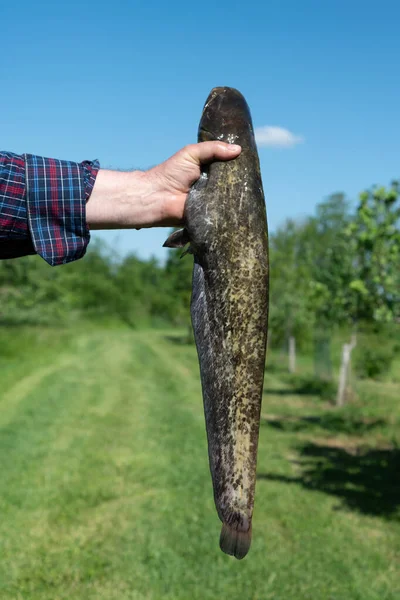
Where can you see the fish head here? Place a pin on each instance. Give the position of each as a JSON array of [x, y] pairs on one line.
[[226, 117]]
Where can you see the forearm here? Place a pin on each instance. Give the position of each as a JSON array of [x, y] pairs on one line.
[[124, 200]]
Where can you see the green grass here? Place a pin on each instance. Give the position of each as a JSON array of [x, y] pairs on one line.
[[105, 491]]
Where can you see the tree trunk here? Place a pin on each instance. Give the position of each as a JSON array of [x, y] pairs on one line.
[[292, 354], [345, 371]]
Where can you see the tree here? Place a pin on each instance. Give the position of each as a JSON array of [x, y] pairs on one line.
[[325, 248], [373, 239], [374, 236], [290, 315]]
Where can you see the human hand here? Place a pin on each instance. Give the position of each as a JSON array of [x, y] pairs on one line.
[[172, 179], [153, 198]]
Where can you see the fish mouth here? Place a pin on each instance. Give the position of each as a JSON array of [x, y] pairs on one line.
[[206, 136]]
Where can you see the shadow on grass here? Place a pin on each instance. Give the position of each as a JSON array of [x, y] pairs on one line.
[[366, 480], [329, 422], [305, 386], [273, 366]]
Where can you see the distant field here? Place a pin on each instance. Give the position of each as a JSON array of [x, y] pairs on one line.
[[105, 492]]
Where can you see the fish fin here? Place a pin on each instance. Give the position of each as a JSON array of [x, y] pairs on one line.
[[235, 542], [177, 239], [189, 250]]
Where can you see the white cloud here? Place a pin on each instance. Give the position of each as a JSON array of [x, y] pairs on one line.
[[276, 137]]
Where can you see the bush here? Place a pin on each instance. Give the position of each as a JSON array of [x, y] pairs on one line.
[[310, 385], [373, 360]]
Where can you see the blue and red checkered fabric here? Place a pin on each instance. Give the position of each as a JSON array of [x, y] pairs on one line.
[[42, 206]]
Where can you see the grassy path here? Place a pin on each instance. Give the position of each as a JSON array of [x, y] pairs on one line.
[[105, 491]]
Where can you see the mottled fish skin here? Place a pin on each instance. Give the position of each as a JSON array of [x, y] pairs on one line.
[[225, 220]]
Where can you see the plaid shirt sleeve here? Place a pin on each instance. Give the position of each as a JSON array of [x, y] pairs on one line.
[[42, 207]]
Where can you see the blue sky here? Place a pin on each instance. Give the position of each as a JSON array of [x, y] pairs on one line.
[[125, 82]]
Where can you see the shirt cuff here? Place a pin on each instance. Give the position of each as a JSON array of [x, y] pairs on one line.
[[56, 196]]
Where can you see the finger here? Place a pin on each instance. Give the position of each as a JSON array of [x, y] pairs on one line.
[[205, 152]]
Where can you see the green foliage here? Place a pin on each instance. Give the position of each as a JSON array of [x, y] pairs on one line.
[[102, 286], [309, 385], [178, 272], [330, 263], [30, 292], [338, 269], [290, 312], [374, 358], [311, 270], [374, 242]]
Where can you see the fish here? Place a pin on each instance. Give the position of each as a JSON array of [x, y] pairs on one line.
[[225, 223]]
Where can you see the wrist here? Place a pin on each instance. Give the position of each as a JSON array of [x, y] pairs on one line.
[[119, 200]]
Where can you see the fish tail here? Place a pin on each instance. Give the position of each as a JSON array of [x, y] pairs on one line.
[[234, 541]]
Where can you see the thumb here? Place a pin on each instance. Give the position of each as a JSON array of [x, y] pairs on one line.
[[205, 152]]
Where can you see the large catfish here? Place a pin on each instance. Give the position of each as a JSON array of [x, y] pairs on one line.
[[226, 226]]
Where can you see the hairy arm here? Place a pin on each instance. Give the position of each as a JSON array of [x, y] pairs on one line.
[[153, 198]]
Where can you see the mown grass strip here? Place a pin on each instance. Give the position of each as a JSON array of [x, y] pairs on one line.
[[105, 490]]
